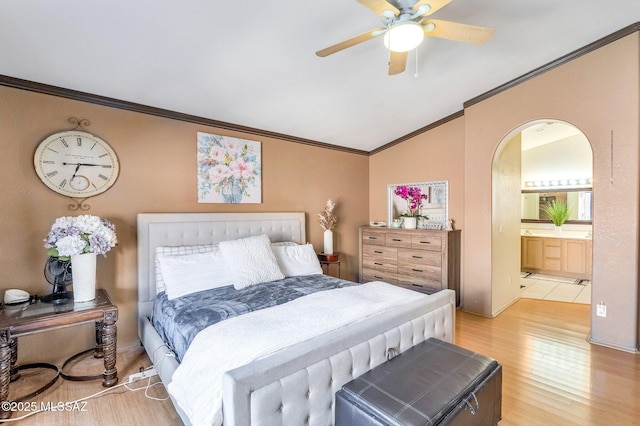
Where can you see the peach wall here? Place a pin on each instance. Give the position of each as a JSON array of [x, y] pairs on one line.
[[158, 174], [434, 155], [598, 93]]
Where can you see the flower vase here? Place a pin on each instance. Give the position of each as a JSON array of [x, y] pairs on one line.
[[410, 222], [232, 192], [83, 269], [328, 241], [557, 229]]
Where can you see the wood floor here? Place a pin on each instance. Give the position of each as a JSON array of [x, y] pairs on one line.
[[118, 406], [551, 375]]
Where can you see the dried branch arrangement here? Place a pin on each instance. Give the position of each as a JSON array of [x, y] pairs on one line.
[[327, 218]]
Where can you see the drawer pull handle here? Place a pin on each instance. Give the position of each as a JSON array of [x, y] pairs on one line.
[[417, 257], [377, 263], [375, 276], [417, 285], [417, 270], [397, 239], [373, 238], [377, 251], [425, 242]]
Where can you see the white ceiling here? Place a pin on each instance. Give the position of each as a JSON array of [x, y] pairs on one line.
[[253, 63], [545, 132]]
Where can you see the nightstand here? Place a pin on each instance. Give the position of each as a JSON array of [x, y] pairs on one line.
[[326, 260], [30, 318]]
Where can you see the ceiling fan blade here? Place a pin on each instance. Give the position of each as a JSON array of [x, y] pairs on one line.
[[379, 6], [397, 62], [350, 42], [456, 31], [435, 5]]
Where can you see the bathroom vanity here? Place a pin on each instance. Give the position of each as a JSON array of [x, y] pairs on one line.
[[567, 256]]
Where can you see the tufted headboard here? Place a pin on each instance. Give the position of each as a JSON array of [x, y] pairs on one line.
[[178, 229]]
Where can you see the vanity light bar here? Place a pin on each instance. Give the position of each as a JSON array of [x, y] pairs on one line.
[[558, 183]]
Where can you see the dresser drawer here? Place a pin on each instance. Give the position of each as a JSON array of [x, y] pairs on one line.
[[396, 239], [380, 253], [375, 238], [425, 286], [381, 263], [369, 275], [419, 273], [426, 242], [410, 257]]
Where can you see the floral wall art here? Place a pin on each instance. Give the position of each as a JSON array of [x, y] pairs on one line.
[[229, 170]]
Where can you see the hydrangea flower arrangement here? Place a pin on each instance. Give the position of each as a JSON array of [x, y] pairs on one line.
[[413, 196], [71, 235]]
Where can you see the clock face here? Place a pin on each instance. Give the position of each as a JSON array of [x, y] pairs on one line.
[[76, 164]]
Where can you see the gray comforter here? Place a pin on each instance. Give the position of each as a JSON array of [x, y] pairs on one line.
[[179, 320]]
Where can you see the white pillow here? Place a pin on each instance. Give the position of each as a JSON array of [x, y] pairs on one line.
[[297, 260], [162, 251], [250, 261], [193, 272]]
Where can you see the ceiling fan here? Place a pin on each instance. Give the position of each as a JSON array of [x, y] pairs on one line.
[[405, 25]]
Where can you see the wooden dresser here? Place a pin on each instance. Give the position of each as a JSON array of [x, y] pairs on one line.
[[420, 259]]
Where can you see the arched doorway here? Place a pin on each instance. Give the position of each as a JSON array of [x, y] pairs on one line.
[[566, 150]]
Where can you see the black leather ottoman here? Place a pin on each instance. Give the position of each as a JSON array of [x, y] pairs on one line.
[[433, 383]]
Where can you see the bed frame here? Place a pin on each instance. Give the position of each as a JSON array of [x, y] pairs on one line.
[[297, 384]]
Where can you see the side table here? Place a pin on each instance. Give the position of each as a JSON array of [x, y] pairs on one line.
[[326, 260], [30, 318]]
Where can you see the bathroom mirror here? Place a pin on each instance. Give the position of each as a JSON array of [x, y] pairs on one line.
[[435, 207], [580, 202]]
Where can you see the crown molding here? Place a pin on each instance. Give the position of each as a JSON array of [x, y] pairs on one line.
[[419, 131], [47, 89], [32, 86], [556, 63], [516, 81]]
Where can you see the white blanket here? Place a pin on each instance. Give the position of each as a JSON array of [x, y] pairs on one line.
[[196, 385]]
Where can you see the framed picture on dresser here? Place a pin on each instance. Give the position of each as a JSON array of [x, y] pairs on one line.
[[434, 210]]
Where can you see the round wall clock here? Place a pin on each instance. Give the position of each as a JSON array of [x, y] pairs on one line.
[[76, 164]]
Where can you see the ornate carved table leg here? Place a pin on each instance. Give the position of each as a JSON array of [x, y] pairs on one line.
[[99, 351], [15, 371], [109, 337], [5, 374]]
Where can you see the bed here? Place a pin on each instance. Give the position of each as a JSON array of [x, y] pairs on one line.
[[297, 383]]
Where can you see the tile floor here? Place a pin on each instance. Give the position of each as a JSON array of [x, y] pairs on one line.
[[559, 289]]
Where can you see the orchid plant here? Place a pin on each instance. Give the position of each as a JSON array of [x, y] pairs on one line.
[[413, 196], [71, 235]]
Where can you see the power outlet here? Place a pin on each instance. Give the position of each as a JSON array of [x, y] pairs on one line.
[[601, 309], [144, 374]]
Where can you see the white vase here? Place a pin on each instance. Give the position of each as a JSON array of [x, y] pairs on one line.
[[557, 229], [410, 222], [328, 241], [83, 270]]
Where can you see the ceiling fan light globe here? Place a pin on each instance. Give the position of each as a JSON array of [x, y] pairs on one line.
[[404, 36], [387, 13]]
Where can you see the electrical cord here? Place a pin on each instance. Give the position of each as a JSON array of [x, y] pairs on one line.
[[146, 388], [69, 403]]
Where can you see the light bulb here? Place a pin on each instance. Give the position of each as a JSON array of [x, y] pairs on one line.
[[404, 36]]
